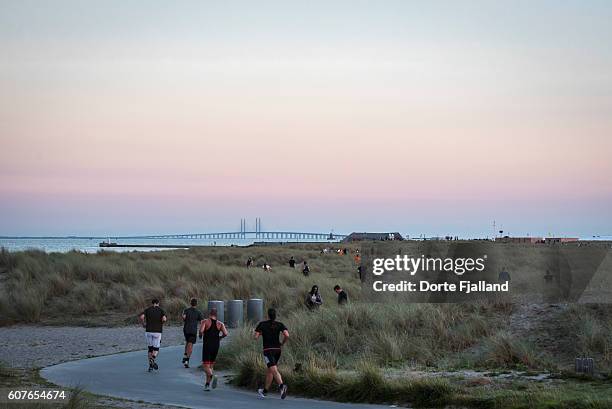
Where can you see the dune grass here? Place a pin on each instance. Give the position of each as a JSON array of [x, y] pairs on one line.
[[76, 286], [592, 333], [504, 350], [386, 335], [369, 384], [337, 352]]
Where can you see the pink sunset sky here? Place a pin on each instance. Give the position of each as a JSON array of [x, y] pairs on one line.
[[129, 117]]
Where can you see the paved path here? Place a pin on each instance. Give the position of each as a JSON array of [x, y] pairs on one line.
[[125, 376]]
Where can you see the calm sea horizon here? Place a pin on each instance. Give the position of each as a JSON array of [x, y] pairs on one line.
[[91, 244]]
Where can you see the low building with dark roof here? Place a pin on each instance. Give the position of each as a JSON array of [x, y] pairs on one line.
[[531, 240], [372, 237]]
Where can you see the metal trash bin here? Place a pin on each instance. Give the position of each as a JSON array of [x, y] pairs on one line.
[[235, 313], [585, 365], [255, 310], [219, 305]]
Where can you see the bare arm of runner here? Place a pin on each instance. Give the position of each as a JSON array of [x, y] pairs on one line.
[[141, 317], [256, 334], [164, 318], [223, 330], [285, 337]]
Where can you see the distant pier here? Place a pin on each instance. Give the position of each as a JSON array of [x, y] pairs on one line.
[[150, 246]]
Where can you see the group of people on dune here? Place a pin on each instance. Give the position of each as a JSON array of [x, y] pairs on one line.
[[314, 300]]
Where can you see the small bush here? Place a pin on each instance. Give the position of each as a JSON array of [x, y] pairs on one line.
[[27, 304], [506, 351], [429, 392]]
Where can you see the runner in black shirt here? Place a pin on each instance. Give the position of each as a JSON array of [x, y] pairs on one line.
[[152, 320], [292, 262], [270, 332], [210, 329], [191, 318]]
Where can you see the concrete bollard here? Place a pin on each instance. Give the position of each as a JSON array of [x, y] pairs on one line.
[[255, 310], [235, 313], [219, 305]]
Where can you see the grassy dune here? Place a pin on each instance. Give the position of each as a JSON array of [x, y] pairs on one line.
[[110, 288], [421, 355], [389, 336], [413, 354]]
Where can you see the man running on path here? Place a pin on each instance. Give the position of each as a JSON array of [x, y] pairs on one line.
[[270, 332], [191, 318], [152, 320], [209, 332]]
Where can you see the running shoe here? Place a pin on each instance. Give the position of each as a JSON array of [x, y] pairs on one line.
[[207, 387], [155, 366], [186, 363], [261, 393], [283, 391], [214, 382]]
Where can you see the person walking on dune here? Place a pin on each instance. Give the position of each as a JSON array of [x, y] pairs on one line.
[[305, 269], [211, 332], [342, 296], [191, 321], [153, 319], [313, 298], [270, 331]]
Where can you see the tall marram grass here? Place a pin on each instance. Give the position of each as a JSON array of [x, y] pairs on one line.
[[37, 286], [386, 335], [504, 350], [592, 333]]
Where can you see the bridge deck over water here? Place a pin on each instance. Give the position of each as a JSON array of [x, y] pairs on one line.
[[244, 235]]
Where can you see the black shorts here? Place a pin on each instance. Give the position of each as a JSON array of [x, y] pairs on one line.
[[191, 338], [209, 355], [271, 357]]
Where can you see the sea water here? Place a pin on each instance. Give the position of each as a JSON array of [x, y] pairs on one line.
[[91, 244]]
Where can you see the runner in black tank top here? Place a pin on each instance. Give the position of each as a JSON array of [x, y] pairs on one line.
[[210, 339], [209, 332]]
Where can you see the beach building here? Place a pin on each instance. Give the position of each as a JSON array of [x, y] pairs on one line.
[[550, 240], [372, 237], [528, 240]]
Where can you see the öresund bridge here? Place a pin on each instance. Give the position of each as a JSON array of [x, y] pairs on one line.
[[245, 234]]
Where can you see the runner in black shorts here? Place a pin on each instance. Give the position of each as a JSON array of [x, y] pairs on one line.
[[191, 318], [270, 332], [209, 332]]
